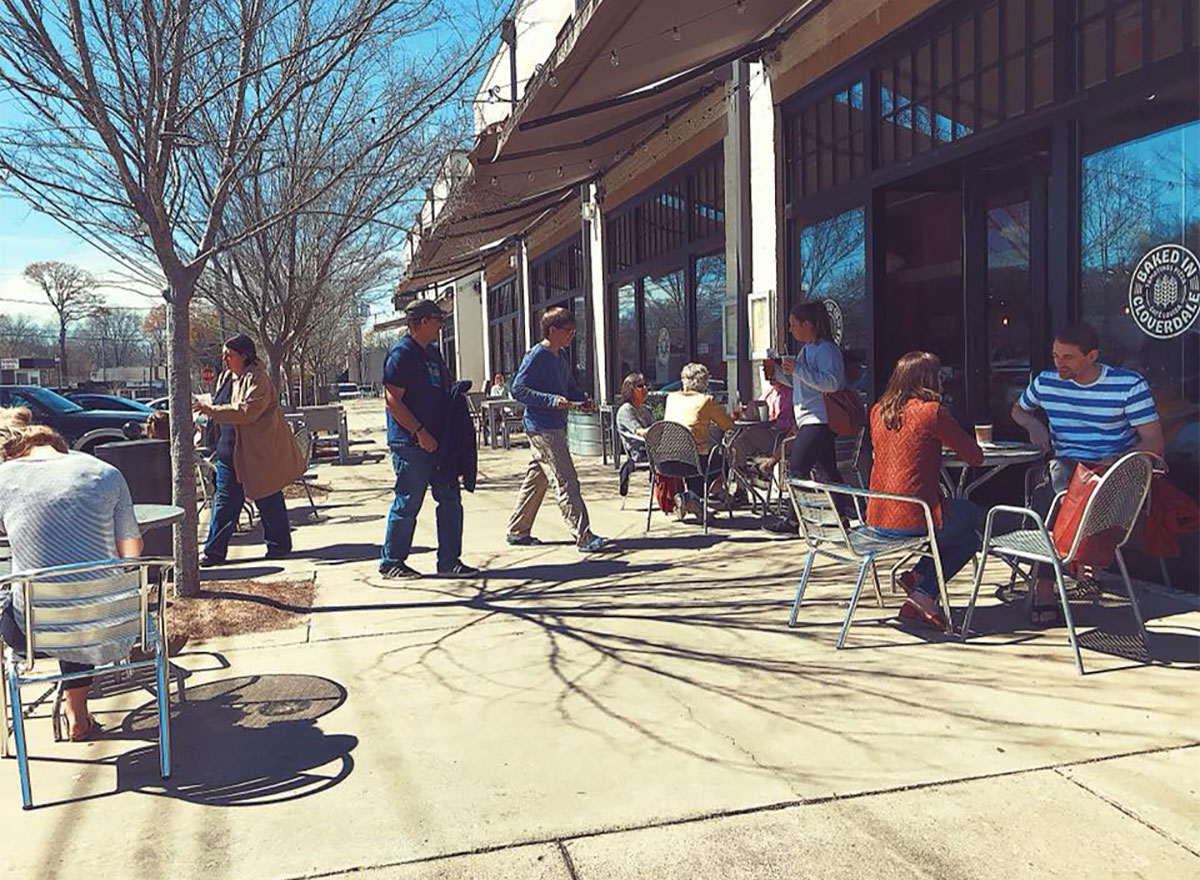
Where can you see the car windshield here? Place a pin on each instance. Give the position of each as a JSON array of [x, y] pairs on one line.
[[50, 400]]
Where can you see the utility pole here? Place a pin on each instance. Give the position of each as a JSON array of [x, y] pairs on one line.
[[508, 35]]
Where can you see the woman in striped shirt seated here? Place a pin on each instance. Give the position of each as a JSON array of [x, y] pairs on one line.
[[1097, 413]]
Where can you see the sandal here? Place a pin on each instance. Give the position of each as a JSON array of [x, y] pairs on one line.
[[912, 612], [93, 730]]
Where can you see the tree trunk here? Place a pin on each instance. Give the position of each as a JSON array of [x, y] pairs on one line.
[[183, 447], [62, 354]]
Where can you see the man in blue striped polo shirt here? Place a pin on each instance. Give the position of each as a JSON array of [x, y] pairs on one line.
[[1096, 412]]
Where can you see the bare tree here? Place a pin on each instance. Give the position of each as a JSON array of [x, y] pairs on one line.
[[114, 336], [21, 336], [141, 118], [72, 293]]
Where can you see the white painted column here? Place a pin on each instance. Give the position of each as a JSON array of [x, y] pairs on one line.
[[593, 226], [470, 331]]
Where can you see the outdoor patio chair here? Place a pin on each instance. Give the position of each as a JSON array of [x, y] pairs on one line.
[[758, 488], [672, 451], [474, 399], [512, 421], [635, 463], [304, 440], [113, 605], [1115, 504], [826, 534]]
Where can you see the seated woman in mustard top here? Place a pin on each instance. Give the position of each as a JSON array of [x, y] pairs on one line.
[[700, 414]]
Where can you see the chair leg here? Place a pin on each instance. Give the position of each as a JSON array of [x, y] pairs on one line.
[[56, 713], [3, 706], [1137, 612], [1070, 621], [14, 697], [650, 501], [1166, 575], [808, 564], [862, 577], [965, 632], [164, 707], [704, 508], [875, 578], [312, 505]]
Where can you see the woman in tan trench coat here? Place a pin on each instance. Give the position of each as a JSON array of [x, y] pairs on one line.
[[256, 454]]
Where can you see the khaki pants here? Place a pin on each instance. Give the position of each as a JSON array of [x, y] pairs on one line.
[[550, 465]]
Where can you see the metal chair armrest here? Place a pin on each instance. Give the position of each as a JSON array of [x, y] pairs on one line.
[[1054, 505]]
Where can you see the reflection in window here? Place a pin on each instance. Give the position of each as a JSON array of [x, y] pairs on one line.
[[627, 330], [1008, 305], [665, 342], [831, 265], [1136, 196], [710, 300]]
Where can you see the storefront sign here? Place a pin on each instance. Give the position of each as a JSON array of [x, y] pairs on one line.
[[836, 322], [1164, 292]]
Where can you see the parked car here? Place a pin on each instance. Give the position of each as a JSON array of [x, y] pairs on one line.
[[160, 403], [347, 391], [110, 402], [83, 428]]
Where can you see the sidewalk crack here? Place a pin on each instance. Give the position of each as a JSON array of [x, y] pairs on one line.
[[567, 860], [1121, 808]]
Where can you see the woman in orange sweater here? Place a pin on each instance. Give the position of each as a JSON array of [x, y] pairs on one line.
[[909, 427]]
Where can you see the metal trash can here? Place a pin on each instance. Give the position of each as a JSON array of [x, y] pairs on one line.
[[584, 436], [146, 466]]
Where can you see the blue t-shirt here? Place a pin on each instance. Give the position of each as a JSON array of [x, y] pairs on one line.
[[543, 378], [1096, 421], [422, 374]]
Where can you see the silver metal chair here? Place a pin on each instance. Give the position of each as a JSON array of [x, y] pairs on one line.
[[1115, 503], [639, 462], [112, 607], [827, 534], [672, 451], [304, 440]]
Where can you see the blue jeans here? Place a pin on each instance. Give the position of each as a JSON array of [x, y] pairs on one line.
[[417, 470], [957, 542], [227, 506]]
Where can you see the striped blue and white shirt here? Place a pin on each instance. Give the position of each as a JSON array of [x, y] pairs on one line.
[[1096, 421]]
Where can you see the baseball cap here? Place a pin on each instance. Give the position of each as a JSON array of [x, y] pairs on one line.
[[423, 308]]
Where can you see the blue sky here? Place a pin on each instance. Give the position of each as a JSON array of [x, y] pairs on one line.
[[30, 237]]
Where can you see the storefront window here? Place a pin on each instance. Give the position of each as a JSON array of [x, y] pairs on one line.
[[1139, 196], [665, 343], [504, 328], [830, 265], [710, 299], [627, 330], [1009, 340]]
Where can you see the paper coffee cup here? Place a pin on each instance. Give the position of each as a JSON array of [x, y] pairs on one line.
[[983, 434]]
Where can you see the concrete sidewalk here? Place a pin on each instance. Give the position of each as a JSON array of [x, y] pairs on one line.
[[643, 714]]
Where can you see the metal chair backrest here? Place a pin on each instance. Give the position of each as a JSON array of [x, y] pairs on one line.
[[5, 556], [1117, 499], [849, 448], [474, 399], [322, 419], [85, 605], [820, 522], [304, 441], [670, 443]]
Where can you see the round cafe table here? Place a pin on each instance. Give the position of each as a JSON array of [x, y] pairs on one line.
[[997, 457], [155, 516]]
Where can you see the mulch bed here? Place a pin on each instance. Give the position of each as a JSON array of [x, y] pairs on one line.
[[232, 608], [295, 490]]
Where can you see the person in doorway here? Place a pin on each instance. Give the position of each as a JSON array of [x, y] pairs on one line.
[[909, 427], [498, 388], [59, 508], [416, 391], [1096, 414], [256, 454], [546, 385]]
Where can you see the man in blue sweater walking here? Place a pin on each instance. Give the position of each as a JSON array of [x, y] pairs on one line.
[[546, 385]]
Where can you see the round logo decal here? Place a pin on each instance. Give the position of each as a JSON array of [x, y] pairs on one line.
[[835, 319], [1164, 292]]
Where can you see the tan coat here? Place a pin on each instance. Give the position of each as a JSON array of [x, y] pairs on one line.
[[265, 456]]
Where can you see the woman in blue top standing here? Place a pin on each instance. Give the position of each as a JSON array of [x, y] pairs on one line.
[[816, 370]]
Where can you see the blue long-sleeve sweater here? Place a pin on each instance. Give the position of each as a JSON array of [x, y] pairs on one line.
[[543, 378]]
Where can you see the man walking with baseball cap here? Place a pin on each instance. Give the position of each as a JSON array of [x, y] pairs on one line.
[[416, 387]]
